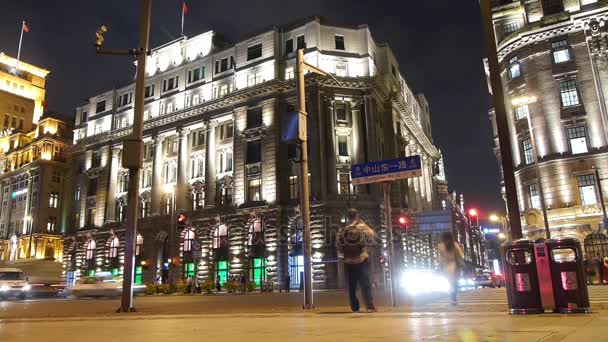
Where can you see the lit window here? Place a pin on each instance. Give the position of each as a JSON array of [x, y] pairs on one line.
[[254, 79], [526, 146], [534, 197], [289, 73], [511, 27], [254, 190], [188, 244], [225, 194], [568, 93], [90, 250], [223, 90], [514, 68], [561, 52], [198, 199], [522, 112], [51, 224], [341, 69], [114, 243], [293, 187], [586, 187], [139, 244], [343, 183], [578, 139], [53, 200], [255, 233]]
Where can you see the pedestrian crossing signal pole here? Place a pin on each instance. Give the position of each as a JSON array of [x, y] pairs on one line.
[[386, 187]]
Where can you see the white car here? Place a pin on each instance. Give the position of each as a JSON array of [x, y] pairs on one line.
[[13, 283], [102, 285]]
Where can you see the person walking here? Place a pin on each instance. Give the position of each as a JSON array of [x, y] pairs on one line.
[[218, 284], [451, 261], [352, 241]]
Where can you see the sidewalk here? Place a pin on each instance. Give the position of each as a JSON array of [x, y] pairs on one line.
[[319, 326]]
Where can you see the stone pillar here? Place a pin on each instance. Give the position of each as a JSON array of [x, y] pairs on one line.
[[422, 185], [330, 147], [210, 159], [357, 133], [157, 172], [429, 183], [111, 200], [181, 190], [413, 204]]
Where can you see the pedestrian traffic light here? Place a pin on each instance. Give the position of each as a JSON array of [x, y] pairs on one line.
[[99, 35], [472, 212]]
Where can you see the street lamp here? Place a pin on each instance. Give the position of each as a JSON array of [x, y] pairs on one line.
[[526, 100], [474, 213]]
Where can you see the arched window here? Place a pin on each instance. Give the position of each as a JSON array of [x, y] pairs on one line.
[[188, 240], [220, 236], [114, 243], [90, 249], [255, 233], [596, 245], [139, 244]]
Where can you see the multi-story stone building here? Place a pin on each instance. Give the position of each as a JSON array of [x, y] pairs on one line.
[[552, 55], [213, 152], [22, 91], [34, 190]]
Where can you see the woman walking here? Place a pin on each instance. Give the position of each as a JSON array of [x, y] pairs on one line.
[[451, 261]]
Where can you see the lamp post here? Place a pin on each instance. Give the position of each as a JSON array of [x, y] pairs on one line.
[[526, 100], [503, 223]]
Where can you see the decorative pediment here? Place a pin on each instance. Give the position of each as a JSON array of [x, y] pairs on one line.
[[145, 196], [227, 181], [122, 200], [198, 186]]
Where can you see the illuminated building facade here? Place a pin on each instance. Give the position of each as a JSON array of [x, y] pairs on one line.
[[213, 152], [552, 56], [34, 190]]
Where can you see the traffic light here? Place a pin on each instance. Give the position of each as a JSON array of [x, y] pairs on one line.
[[99, 35], [472, 212], [402, 221], [181, 222]]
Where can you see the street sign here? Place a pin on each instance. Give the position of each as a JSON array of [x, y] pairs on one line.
[[386, 170]]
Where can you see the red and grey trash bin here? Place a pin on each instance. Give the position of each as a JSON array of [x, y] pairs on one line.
[[568, 276], [521, 277]]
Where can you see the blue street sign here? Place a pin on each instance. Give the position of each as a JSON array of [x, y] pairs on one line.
[[386, 170]]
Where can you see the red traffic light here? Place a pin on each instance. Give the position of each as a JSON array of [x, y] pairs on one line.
[[472, 212], [402, 220], [181, 218]]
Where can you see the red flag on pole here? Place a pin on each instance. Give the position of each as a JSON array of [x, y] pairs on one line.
[[185, 8], [27, 29]]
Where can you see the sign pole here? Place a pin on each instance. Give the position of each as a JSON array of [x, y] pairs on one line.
[[386, 187]]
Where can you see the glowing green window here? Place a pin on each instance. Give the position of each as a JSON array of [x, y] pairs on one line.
[[259, 273], [139, 274], [189, 270], [222, 271]]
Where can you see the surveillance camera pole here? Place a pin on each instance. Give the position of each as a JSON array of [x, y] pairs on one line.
[[133, 148]]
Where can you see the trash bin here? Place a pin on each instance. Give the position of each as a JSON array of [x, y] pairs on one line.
[[568, 276], [521, 278]]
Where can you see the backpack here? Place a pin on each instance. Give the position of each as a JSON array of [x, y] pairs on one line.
[[352, 242]]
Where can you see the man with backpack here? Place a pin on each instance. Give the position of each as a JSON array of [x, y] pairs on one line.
[[352, 241]]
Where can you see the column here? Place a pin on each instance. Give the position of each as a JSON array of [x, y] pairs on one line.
[[357, 132], [210, 171], [181, 191], [111, 200], [330, 147], [429, 183], [28, 220], [157, 171], [413, 204]]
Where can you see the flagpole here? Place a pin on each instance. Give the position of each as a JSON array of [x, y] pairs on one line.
[[20, 40], [183, 7]]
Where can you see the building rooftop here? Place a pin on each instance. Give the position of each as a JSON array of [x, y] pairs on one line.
[[13, 63]]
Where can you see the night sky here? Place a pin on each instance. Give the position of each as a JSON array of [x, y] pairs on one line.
[[439, 44]]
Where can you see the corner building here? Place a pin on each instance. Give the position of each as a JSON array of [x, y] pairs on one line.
[[554, 70], [213, 152]]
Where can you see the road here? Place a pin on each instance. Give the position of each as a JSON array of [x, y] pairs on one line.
[[278, 316]]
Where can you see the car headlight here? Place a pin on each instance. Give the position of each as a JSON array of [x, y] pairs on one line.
[[26, 287], [4, 288]]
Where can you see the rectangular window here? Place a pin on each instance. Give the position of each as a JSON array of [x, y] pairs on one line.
[[343, 146], [96, 159], [149, 91], [577, 136], [522, 112], [552, 6], [254, 52], [53, 200], [339, 42], [254, 190], [293, 187], [254, 117], [514, 68], [224, 65], [526, 146], [341, 112], [511, 27], [148, 151], [288, 46], [341, 69], [196, 74], [343, 183], [198, 138], [254, 152], [226, 162], [301, 42], [586, 187], [253, 79], [227, 131], [100, 107], [534, 197], [92, 189], [170, 83], [51, 224], [289, 73], [561, 52], [568, 93]]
